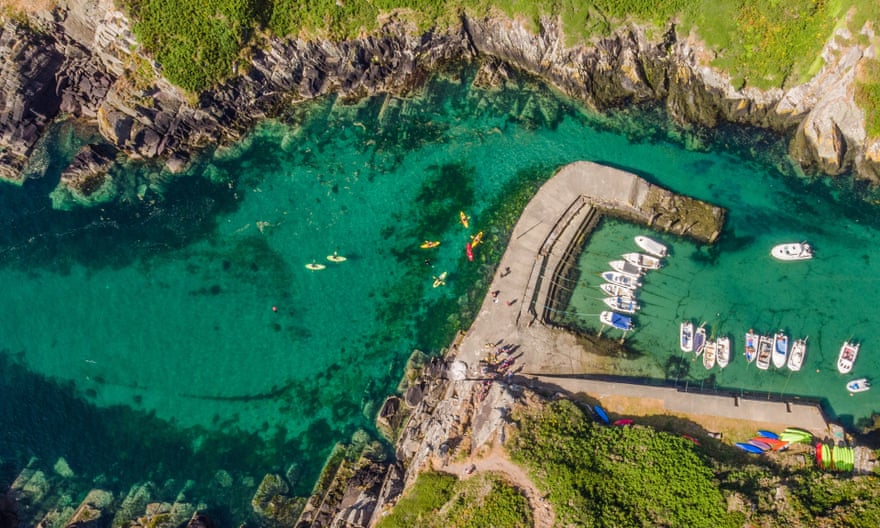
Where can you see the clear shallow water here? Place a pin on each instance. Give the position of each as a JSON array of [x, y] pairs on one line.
[[140, 340], [735, 285]]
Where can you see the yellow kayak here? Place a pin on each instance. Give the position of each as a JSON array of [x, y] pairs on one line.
[[476, 239], [336, 258], [428, 244], [440, 280], [314, 266], [464, 218]]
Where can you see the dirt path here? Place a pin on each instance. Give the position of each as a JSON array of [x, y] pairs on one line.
[[496, 461]]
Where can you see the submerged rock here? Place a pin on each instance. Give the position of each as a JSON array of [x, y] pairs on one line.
[[86, 181]]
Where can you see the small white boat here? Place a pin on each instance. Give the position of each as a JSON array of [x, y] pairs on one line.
[[765, 352], [780, 349], [722, 351], [622, 266], [792, 251], [626, 305], [621, 322], [686, 336], [709, 353], [699, 340], [751, 351], [615, 290], [651, 246], [858, 385], [644, 262], [796, 356], [621, 279], [848, 354]]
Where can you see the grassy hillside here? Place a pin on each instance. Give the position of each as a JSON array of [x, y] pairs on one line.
[[762, 43], [600, 476]]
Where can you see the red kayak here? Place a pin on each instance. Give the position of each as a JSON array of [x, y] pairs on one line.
[[625, 421], [470, 251]]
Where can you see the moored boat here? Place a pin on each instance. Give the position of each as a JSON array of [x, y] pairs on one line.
[[626, 305], [686, 336], [643, 261], [699, 340], [780, 349], [858, 385], [621, 279], [622, 266], [765, 352], [621, 322], [797, 354], [848, 354], [613, 290], [751, 351], [651, 246], [792, 251], [722, 351], [709, 353]]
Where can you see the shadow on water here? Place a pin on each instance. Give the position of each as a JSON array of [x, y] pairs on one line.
[[118, 447], [33, 236]]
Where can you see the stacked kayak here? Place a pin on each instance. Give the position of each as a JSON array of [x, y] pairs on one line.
[[835, 458], [793, 435]]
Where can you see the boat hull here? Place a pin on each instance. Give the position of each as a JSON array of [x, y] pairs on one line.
[[722, 351], [780, 349], [858, 385], [792, 251], [644, 262], [621, 279], [847, 357], [751, 351], [686, 336], [651, 246], [622, 304], [797, 354], [765, 352]]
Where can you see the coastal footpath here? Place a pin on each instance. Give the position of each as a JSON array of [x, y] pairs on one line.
[[81, 62], [456, 415]]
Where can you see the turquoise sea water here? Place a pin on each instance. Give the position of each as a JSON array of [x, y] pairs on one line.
[[178, 336]]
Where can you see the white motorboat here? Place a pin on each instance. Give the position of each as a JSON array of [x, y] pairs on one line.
[[626, 305], [651, 246], [751, 351], [796, 356], [699, 340], [644, 262], [622, 266], [765, 352], [848, 354], [686, 336], [621, 279], [858, 385], [792, 251], [621, 322], [615, 290], [780, 349], [709, 353], [722, 351]]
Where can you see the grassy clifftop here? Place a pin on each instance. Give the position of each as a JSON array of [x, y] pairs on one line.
[[763, 43]]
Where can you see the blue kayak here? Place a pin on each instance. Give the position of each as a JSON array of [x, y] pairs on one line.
[[749, 448], [768, 434], [600, 412]]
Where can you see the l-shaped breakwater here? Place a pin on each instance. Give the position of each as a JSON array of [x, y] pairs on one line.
[[461, 402]]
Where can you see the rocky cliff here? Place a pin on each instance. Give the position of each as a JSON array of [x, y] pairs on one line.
[[81, 61]]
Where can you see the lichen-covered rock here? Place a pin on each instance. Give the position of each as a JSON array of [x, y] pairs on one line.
[[86, 181], [273, 504]]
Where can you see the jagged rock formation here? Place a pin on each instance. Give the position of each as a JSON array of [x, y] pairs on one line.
[[79, 62]]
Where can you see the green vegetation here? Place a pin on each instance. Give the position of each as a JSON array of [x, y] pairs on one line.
[[442, 501], [196, 43], [867, 95], [616, 476], [763, 43]]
